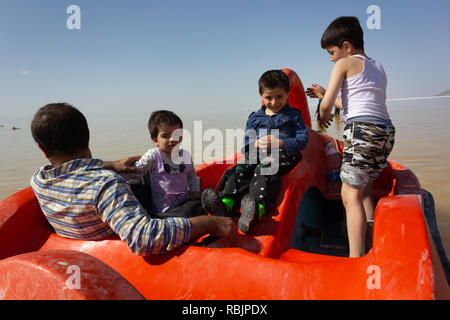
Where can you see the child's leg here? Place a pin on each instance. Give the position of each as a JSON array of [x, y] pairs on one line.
[[263, 191], [238, 181], [213, 204], [356, 219], [369, 208], [366, 148], [234, 187], [189, 208], [265, 184], [369, 203], [264, 188]]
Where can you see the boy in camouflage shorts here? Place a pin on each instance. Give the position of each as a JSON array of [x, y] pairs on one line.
[[368, 134], [366, 148]]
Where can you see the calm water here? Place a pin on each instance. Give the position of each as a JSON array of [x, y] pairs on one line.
[[421, 144]]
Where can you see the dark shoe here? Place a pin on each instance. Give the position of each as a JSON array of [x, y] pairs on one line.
[[249, 213], [212, 203]]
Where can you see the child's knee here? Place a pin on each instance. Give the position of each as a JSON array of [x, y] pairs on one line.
[[351, 195], [265, 187]]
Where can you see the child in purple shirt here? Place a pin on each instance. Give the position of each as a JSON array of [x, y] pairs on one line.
[[174, 183]]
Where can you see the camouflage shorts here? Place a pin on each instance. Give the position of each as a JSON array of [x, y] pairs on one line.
[[366, 149]]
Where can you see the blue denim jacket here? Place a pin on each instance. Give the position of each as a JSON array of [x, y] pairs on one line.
[[288, 121]]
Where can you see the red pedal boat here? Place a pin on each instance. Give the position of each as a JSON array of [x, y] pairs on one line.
[[297, 251]]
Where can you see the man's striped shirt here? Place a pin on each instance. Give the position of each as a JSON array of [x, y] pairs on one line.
[[83, 200]]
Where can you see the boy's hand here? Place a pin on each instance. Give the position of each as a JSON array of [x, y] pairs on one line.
[[315, 91], [326, 123], [123, 165], [267, 141]]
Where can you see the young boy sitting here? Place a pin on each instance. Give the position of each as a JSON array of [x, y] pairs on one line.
[[368, 133], [175, 189], [275, 134]]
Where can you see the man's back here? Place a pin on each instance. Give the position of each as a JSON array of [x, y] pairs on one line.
[[68, 196], [82, 200]]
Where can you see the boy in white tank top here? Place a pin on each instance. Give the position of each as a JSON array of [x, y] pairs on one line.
[[368, 133]]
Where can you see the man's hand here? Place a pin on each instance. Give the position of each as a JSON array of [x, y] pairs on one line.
[[315, 91], [123, 165], [225, 228], [221, 227]]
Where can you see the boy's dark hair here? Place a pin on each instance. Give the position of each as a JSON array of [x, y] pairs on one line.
[[274, 79], [343, 29], [60, 129], [162, 118]]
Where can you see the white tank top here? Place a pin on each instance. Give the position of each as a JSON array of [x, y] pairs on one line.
[[364, 94]]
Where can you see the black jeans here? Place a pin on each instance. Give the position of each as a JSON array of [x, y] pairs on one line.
[[258, 175], [189, 208]]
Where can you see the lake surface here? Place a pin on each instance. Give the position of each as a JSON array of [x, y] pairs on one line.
[[422, 144]]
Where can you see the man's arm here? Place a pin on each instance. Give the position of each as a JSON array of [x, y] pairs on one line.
[[117, 207], [133, 167], [123, 165]]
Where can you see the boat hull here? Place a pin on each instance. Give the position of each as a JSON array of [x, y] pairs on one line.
[[296, 251]]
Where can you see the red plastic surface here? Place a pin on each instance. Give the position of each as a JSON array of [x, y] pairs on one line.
[[402, 263], [297, 97], [62, 274]]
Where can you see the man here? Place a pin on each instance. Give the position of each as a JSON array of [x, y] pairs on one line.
[[82, 198]]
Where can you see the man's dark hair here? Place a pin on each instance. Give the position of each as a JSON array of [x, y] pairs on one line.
[[60, 129], [161, 118], [343, 29], [274, 79]]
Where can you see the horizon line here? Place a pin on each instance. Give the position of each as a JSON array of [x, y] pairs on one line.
[[403, 99], [417, 98]]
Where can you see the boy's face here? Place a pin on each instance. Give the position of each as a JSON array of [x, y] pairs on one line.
[[337, 53], [168, 137], [274, 99]]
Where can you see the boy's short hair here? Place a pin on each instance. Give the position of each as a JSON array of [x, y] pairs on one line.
[[343, 29], [274, 79], [60, 129], [160, 119]]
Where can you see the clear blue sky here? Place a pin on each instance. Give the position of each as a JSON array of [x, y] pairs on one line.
[[130, 56]]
